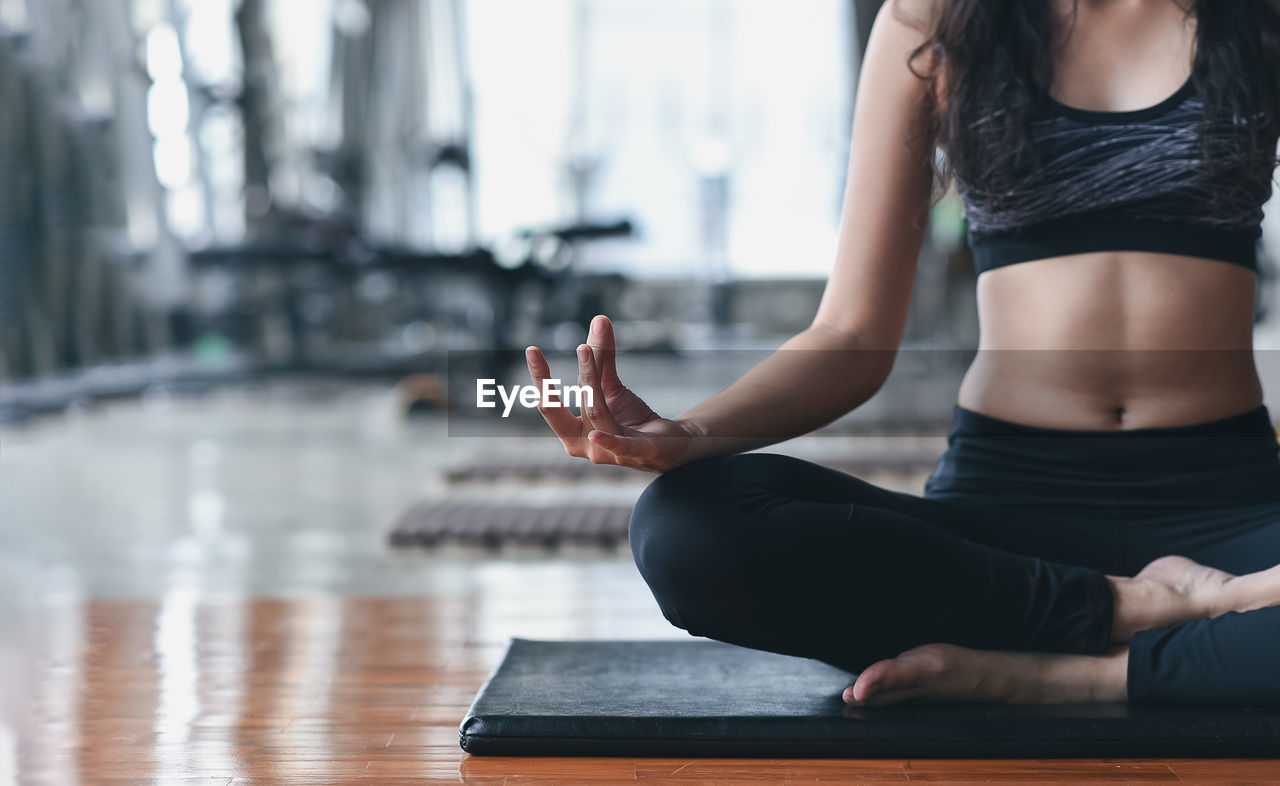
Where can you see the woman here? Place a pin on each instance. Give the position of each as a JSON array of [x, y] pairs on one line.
[[1113, 157]]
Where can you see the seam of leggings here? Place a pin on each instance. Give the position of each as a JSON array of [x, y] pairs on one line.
[[1117, 514], [1138, 667], [1107, 603]]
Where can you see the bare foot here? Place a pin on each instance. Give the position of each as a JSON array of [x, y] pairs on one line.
[[1203, 586], [1215, 591], [1168, 591], [947, 673]]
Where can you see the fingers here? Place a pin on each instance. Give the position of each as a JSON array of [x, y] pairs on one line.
[[605, 348], [638, 449], [632, 452], [595, 412], [570, 428], [564, 423]]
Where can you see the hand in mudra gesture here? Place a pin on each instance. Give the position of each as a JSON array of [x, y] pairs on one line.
[[617, 427]]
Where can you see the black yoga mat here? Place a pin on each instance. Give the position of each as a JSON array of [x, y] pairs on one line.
[[704, 698]]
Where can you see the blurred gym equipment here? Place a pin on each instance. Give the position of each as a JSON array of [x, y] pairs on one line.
[[164, 222], [190, 194]]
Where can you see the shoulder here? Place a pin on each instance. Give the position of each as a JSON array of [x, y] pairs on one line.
[[904, 31], [916, 14], [904, 25], [901, 44]]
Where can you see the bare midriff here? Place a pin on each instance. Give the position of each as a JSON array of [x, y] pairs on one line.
[[1114, 341]]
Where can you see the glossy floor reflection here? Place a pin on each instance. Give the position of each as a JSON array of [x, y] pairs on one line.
[[183, 689]]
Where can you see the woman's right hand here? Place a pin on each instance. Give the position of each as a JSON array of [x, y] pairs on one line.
[[618, 427]]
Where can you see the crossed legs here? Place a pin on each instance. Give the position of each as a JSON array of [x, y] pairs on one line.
[[1224, 656], [777, 554]]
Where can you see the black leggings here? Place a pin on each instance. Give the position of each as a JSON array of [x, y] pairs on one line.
[[1007, 549]]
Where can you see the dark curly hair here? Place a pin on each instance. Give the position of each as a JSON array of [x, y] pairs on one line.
[[990, 63]]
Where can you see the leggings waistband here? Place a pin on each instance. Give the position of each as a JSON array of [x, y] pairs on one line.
[[1254, 423], [1233, 460]]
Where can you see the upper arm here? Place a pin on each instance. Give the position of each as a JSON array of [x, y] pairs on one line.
[[887, 193]]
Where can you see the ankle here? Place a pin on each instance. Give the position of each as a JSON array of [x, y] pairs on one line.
[[1104, 678], [1244, 593], [1126, 601], [1141, 604]]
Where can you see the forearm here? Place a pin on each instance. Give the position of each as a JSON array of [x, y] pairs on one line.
[[814, 378]]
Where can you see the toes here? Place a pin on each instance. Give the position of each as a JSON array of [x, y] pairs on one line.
[[907, 676], [878, 678]]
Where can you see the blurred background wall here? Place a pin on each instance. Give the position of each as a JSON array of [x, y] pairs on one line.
[[191, 189]]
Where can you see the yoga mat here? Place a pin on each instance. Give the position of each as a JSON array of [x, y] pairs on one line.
[[703, 698], [495, 524]]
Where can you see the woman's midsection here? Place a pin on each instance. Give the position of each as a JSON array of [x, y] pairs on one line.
[[1114, 341]]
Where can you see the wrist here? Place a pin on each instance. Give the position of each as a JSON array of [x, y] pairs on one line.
[[703, 443], [697, 441], [693, 427]]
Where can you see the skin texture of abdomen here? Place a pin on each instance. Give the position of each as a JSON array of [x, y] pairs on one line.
[[1122, 340]]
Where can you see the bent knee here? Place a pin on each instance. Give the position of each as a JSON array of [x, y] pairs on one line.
[[676, 506], [704, 497], [713, 486], [685, 540]]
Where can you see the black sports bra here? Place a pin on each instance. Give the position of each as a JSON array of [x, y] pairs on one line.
[[1119, 181]]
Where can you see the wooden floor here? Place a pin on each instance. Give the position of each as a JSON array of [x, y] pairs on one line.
[[328, 689]]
